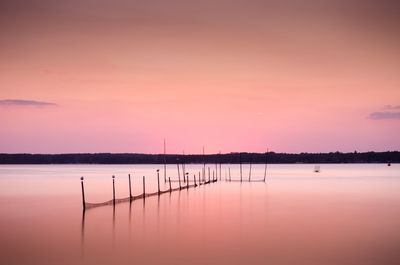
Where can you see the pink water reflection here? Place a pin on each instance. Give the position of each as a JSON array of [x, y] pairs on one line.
[[348, 214]]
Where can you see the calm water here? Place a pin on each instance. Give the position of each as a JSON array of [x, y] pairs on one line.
[[346, 214]]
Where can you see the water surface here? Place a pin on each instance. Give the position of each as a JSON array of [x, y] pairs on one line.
[[346, 214]]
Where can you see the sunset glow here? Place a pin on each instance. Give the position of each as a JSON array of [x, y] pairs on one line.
[[120, 76]]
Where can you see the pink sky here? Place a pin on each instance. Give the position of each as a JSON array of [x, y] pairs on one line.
[[227, 75]]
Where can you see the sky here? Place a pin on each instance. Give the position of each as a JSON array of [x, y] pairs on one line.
[[230, 75]]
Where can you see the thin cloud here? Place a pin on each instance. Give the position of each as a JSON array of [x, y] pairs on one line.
[[23, 102], [391, 107], [385, 115]]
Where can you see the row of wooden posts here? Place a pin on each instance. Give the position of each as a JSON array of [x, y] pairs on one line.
[[144, 194], [185, 180]]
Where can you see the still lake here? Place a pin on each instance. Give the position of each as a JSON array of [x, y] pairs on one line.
[[346, 214]]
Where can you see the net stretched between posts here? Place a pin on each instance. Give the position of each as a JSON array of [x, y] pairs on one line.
[[89, 205]]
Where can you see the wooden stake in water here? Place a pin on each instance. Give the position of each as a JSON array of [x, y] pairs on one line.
[[130, 188], [204, 165], [209, 174], [113, 177], [158, 181], [216, 170], [220, 171], [179, 174], [165, 163], [250, 170], [179, 177], [144, 187], [187, 180], [240, 162], [183, 166], [194, 178], [83, 195], [170, 187], [230, 174], [265, 170]]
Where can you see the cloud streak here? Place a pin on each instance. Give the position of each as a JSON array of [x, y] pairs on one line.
[[391, 107], [23, 102], [385, 115]]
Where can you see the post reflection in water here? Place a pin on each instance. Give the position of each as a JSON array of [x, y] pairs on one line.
[[130, 221], [83, 233], [113, 227]]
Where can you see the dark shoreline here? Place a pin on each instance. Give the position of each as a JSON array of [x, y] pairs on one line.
[[230, 158]]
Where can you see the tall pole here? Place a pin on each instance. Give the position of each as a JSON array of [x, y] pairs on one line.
[[216, 170], [144, 187], [130, 188], [220, 172], [158, 181], [265, 170], [204, 165], [183, 166], [165, 162], [83, 195], [179, 175], [170, 187], [250, 169], [113, 180], [240, 161]]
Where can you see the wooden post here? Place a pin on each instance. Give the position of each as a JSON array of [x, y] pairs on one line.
[[250, 170], [144, 187], [220, 171], [113, 177], [204, 166], [130, 188], [170, 188], [194, 178], [216, 170], [179, 177], [213, 176], [165, 163], [265, 170], [83, 195], [209, 174], [183, 166], [240, 161], [230, 174], [158, 181], [179, 174], [199, 178], [187, 180]]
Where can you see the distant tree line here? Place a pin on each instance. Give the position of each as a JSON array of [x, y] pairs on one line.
[[234, 158]]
